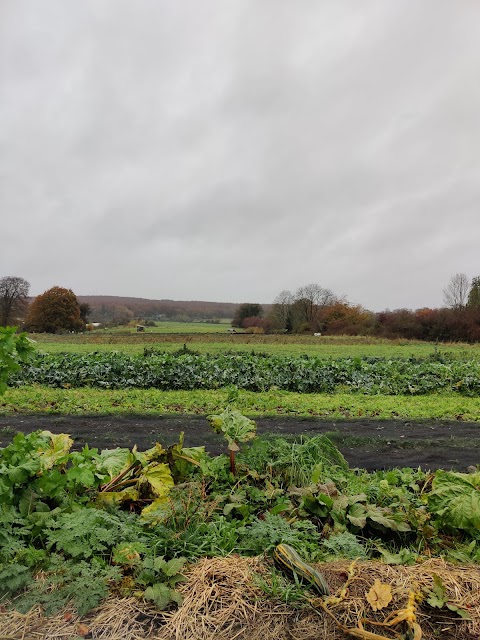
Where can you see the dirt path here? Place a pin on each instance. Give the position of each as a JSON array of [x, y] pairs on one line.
[[366, 444]]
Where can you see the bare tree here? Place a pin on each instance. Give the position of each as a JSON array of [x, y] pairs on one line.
[[282, 309], [311, 298], [455, 294], [13, 299]]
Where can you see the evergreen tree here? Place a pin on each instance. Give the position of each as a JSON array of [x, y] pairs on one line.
[[474, 294]]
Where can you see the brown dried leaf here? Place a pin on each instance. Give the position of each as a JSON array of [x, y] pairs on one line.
[[380, 595], [82, 630]]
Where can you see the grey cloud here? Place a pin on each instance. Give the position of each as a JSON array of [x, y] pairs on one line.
[[228, 151]]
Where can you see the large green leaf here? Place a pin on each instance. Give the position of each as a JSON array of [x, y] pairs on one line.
[[455, 500], [81, 475], [162, 595], [113, 461], [234, 425], [319, 505], [357, 514]]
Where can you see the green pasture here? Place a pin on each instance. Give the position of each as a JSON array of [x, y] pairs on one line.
[[338, 406], [221, 342], [171, 327]]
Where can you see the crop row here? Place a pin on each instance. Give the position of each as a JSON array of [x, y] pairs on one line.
[[251, 372]]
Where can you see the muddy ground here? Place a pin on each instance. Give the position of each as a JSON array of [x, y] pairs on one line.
[[368, 444]]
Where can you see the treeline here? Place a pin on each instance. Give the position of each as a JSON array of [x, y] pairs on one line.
[[106, 309], [314, 309], [311, 309]]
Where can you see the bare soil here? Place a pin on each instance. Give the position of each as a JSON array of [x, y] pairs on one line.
[[367, 444]]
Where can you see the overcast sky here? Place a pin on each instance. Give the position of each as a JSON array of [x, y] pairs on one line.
[[226, 150]]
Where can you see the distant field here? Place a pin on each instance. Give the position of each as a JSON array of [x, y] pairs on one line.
[[220, 342], [172, 327]]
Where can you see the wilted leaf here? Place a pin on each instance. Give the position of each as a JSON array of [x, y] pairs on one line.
[[156, 453], [130, 494], [379, 596], [156, 511], [127, 554], [357, 515], [159, 478], [384, 518], [60, 445], [83, 630]]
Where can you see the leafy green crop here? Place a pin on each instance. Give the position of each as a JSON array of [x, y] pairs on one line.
[[455, 501], [57, 517], [14, 349], [236, 428], [371, 376]]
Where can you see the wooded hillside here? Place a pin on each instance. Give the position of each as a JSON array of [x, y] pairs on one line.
[[106, 308]]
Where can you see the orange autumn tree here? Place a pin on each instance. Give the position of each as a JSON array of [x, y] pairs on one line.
[[54, 311]]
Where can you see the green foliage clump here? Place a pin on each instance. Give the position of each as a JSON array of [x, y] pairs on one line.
[[14, 349], [76, 524], [293, 462], [263, 535], [253, 372], [81, 584], [343, 545], [58, 518]]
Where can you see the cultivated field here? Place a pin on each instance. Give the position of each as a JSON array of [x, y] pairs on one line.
[[207, 527], [444, 399], [219, 341]]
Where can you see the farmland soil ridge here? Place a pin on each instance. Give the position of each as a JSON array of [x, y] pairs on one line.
[[367, 444]]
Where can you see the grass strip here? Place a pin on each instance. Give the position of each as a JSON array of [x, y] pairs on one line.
[[199, 344], [39, 399]]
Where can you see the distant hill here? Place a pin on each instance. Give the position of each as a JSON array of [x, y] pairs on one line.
[[108, 308]]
